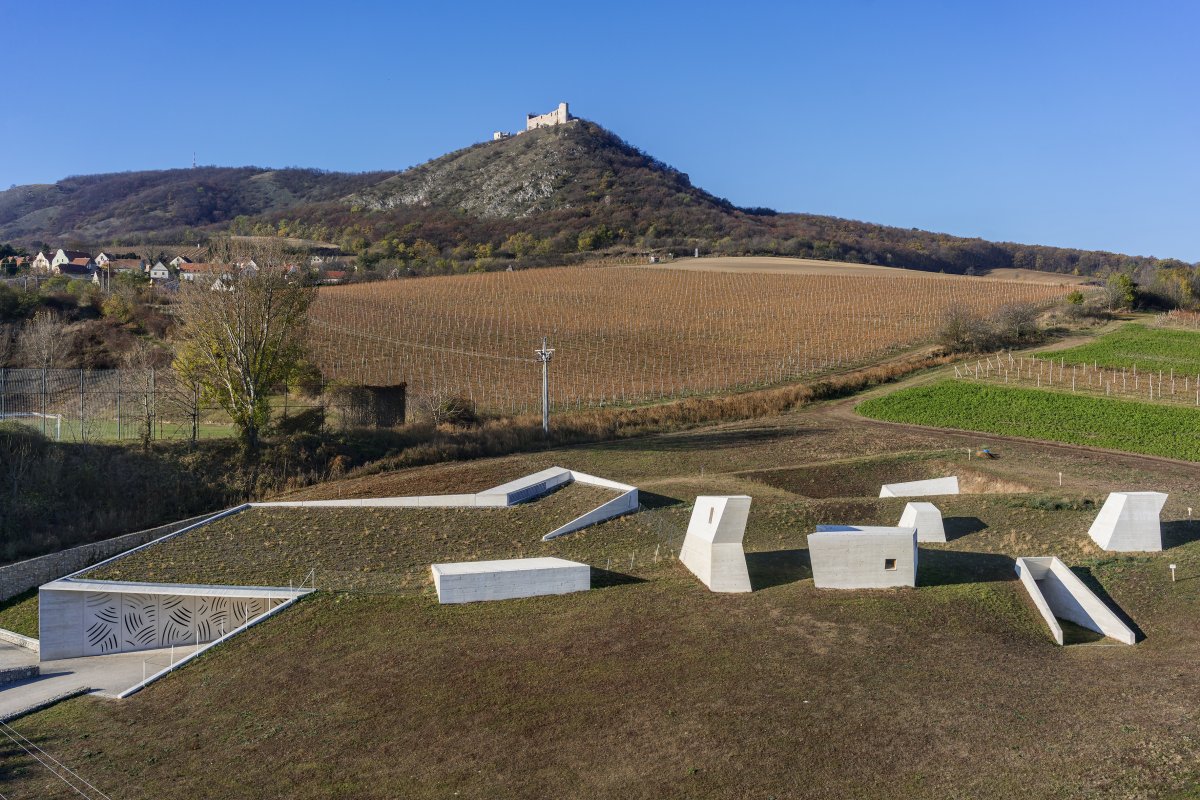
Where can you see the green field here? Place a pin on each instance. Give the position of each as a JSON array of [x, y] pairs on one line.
[[1038, 414], [1135, 345]]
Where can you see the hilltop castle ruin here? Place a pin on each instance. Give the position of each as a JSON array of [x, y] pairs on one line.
[[558, 116]]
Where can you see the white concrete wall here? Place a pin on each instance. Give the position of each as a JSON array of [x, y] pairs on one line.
[[1058, 592], [933, 486], [712, 548], [92, 618], [1129, 522], [473, 581], [855, 557], [927, 519]]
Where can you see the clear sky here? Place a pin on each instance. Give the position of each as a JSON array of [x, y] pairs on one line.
[[1065, 123]]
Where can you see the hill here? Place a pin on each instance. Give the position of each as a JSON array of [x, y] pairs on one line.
[[542, 197]]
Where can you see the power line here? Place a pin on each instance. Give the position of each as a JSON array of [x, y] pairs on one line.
[[21, 741]]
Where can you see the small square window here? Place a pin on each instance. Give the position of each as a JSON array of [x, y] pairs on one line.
[[889, 564]]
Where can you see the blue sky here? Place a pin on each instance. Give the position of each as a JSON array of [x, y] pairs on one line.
[[1064, 123]]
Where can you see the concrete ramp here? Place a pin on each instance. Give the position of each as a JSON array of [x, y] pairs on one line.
[[933, 486], [1058, 593]]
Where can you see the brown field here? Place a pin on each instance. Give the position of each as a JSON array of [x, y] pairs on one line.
[[633, 334], [779, 265]]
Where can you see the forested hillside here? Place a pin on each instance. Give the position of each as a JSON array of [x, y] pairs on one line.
[[545, 196]]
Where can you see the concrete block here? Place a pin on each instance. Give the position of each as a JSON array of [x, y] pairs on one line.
[[927, 519], [933, 486], [712, 548], [472, 581], [1058, 593], [1129, 522], [863, 557]]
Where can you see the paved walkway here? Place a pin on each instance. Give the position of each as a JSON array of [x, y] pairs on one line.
[[106, 676]]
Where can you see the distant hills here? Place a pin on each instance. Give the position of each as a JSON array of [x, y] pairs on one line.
[[562, 192]]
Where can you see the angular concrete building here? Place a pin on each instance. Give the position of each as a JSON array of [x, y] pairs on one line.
[[712, 549], [473, 581], [863, 557], [1129, 522], [927, 519], [78, 617], [1058, 593], [933, 486]]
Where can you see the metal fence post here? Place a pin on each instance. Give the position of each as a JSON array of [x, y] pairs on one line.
[[43, 401], [81, 406]]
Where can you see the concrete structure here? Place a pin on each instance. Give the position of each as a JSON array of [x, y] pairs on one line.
[[558, 116], [25, 575], [712, 549], [1129, 522], [933, 486], [520, 490], [471, 581], [498, 135], [1058, 593], [863, 557], [79, 617], [927, 519]]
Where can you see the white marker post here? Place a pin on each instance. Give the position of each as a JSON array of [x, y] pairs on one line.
[[1172, 573]]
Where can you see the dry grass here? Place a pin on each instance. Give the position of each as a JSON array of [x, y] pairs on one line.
[[657, 688]]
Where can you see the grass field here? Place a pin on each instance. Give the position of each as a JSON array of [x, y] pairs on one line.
[[1136, 345], [1051, 415], [653, 687], [631, 334]]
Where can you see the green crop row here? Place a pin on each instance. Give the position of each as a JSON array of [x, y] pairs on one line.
[[1054, 416], [1134, 345]]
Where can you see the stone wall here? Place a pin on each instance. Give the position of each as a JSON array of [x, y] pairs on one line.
[[14, 674], [25, 575]]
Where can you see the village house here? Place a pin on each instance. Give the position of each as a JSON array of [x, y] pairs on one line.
[[76, 257], [102, 259], [190, 271], [177, 260], [159, 272], [41, 263]]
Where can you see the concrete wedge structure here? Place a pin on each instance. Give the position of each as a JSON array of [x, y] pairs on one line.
[[1129, 522], [712, 548]]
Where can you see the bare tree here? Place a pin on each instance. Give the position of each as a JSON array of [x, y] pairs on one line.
[[8, 344], [44, 341], [239, 344]]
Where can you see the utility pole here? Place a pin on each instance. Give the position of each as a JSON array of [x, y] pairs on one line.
[[544, 355]]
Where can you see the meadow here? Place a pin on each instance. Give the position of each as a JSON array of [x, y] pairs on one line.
[[650, 686], [631, 334], [1055, 416]]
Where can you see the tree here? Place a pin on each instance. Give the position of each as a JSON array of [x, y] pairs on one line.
[[240, 344], [1119, 291], [44, 341]]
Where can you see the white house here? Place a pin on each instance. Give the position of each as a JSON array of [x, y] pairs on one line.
[[159, 272], [41, 262], [190, 271], [177, 260], [77, 257], [125, 265], [102, 259]]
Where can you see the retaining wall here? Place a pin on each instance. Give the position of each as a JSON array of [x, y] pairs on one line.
[[25, 575]]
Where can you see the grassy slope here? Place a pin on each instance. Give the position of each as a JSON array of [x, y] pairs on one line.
[[1135, 345], [1054, 416], [659, 688], [20, 614]]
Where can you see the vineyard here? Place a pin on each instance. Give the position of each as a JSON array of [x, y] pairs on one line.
[[1133, 362], [626, 334]]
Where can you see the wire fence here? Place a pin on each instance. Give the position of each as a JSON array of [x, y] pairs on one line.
[[81, 405], [1133, 383]]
